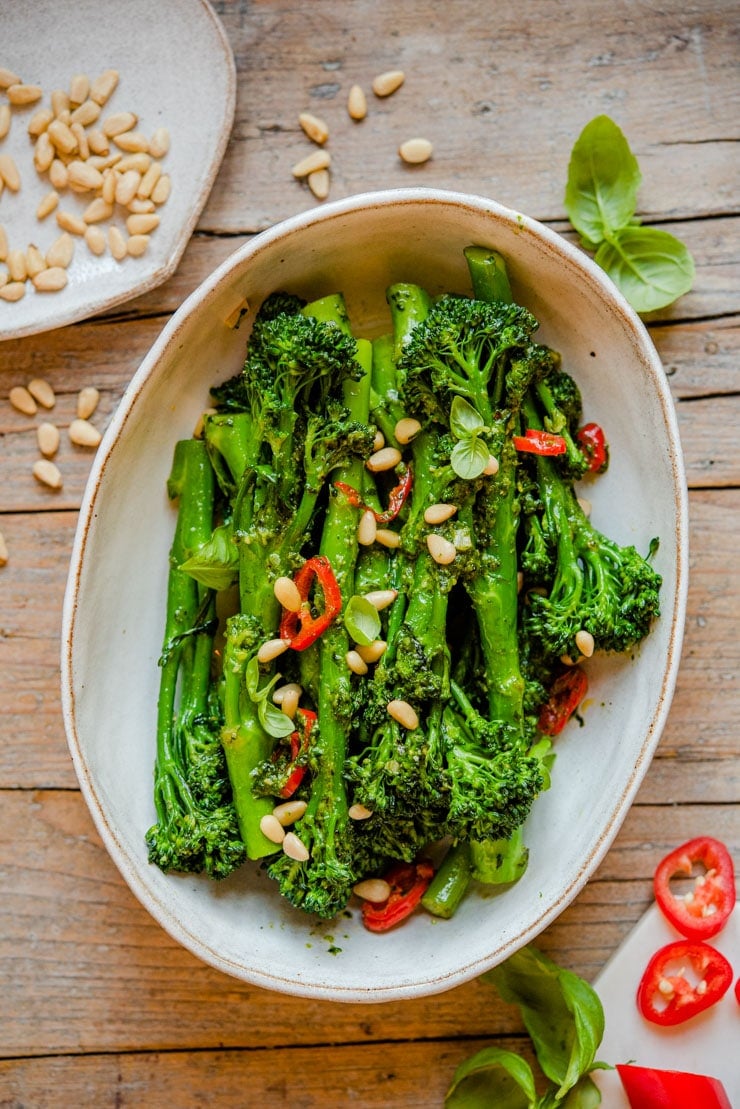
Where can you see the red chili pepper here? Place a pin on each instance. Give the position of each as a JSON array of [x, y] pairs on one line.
[[409, 882], [396, 499], [737, 991], [302, 628], [299, 745], [704, 912], [592, 441], [668, 998], [566, 694], [647, 1088], [539, 442]]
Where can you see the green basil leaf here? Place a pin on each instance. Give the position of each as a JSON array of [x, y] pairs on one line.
[[584, 1095], [650, 267], [603, 179], [275, 722], [492, 1077], [362, 621], [216, 563], [561, 1011], [252, 677], [464, 419], [469, 457]]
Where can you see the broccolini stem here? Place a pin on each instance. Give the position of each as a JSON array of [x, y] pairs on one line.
[[385, 403], [450, 883], [488, 274], [409, 305]]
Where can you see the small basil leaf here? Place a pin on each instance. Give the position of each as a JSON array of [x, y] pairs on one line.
[[649, 266], [603, 179], [216, 563], [584, 1095], [252, 677], [464, 419], [492, 1077], [362, 621], [275, 722], [469, 457]]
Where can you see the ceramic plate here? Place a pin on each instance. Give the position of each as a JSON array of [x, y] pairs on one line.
[[701, 1045], [176, 71]]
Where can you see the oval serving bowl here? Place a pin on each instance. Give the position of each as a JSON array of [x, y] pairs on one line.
[[114, 606]]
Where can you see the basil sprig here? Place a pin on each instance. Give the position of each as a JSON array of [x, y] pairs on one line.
[[651, 267]]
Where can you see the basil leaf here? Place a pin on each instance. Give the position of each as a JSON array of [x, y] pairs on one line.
[[469, 457], [562, 1014], [275, 722], [603, 179], [584, 1095], [362, 620], [252, 677], [650, 267], [492, 1077], [464, 419], [216, 563]]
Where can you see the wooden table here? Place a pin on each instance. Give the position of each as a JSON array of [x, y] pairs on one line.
[[97, 1005]]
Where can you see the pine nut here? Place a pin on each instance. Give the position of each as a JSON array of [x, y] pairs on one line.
[[84, 175], [313, 127], [403, 714], [376, 890], [318, 183], [287, 594], [359, 812], [357, 103], [60, 136], [356, 664], [159, 143], [57, 172], [441, 550], [387, 83], [104, 86], [83, 434], [95, 239], [271, 827], [9, 173], [21, 399], [319, 159], [139, 207], [50, 280], [289, 811], [87, 401], [61, 251], [38, 122], [388, 538], [80, 134], [406, 430], [283, 691], [108, 191], [3, 244], [86, 114], [42, 392], [47, 472], [13, 291], [378, 441], [149, 180], [372, 652], [16, 263], [117, 244], [43, 155], [492, 467], [69, 222], [47, 437], [384, 459], [381, 598], [161, 190], [4, 120], [97, 142], [118, 124], [415, 151], [271, 648], [295, 848], [126, 186], [65, 116], [4, 278], [438, 513], [97, 210], [133, 142], [289, 704], [59, 102], [3, 550], [21, 94], [367, 529], [136, 245], [8, 78], [79, 87], [585, 506], [585, 643], [142, 225], [47, 205]]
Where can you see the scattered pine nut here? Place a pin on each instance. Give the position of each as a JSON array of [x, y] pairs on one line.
[[97, 211], [84, 175], [313, 127], [289, 811], [87, 402], [104, 86], [79, 87], [118, 124], [403, 714], [415, 151], [67, 221], [57, 172], [50, 280], [161, 190], [136, 245], [359, 812], [139, 207], [318, 183], [372, 652], [61, 251], [356, 663], [39, 121], [83, 434], [283, 691], [387, 538], [86, 114], [47, 437], [492, 467], [133, 142], [387, 83], [97, 141], [47, 205], [4, 120], [47, 472], [149, 180], [271, 648], [9, 173], [441, 550], [142, 224], [42, 392], [378, 441], [438, 513], [585, 643], [319, 159], [3, 244], [585, 506], [357, 103], [384, 459], [21, 399], [381, 598], [61, 136], [271, 827], [159, 144], [43, 156], [295, 848], [126, 186], [287, 594], [3, 550], [289, 703], [83, 147], [367, 529], [8, 78], [376, 890], [21, 94], [95, 239], [16, 263], [406, 430], [13, 290], [59, 102], [117, 244]]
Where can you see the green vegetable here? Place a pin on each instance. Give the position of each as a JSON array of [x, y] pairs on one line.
[[362, 620], [650, 266]]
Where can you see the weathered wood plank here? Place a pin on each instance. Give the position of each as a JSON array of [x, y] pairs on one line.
[[86, 969]]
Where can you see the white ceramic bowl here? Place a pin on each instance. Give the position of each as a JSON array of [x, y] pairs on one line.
[[114, 607]]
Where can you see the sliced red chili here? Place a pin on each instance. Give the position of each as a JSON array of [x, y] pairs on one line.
[[566, 694], [592, 441], [535, 441], [648, 1088], [703, 912], [409, 882], [665, 994], [303, 628], [299, 740], [396, 499]]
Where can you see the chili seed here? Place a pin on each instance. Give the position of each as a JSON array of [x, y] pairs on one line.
[[289, 811], [367, 529], [701, 987], [21, 399], [42, 392], [376, 890], [438, 513], [359, 812], [441, 550], [47, 437], [47, 473], [271, 649], [356, 663], [585, 643], [387, 83], [295, 848], [287, 594], [357, 103], [404, 714], [373, 651], [665, 987], [406, 430], [381, 598], [384, 459], [271, 827]]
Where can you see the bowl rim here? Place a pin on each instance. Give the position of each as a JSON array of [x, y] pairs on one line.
[[173, 925]]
